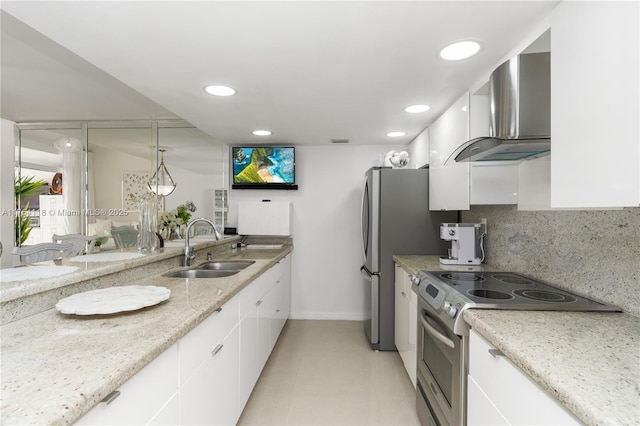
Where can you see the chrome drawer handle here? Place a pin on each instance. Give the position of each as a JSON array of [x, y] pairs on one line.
[[111, 397], [495, 353], [217, 349]]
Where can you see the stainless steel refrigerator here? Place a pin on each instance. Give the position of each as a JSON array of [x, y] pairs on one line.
[[395, 220]]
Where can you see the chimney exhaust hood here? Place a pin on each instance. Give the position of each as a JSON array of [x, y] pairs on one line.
[[520, 96]]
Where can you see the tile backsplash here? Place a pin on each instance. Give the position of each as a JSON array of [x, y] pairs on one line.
[[592, 253]]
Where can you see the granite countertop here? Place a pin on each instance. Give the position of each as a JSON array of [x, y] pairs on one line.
[[415, 263], [56, 367], [589, 361]]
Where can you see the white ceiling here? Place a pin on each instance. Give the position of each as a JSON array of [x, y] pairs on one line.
[[309, 71]]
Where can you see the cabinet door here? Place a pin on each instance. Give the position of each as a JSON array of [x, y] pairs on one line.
[[195, 347], [406, 317], [210, 396], [401, 312], [169, 415], [448, 180], [142, 396], [595, 104], [517, 397], [284, 297], [411, 359], [480, 409]]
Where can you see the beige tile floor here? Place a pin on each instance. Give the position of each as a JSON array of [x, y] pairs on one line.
[[325, 373]]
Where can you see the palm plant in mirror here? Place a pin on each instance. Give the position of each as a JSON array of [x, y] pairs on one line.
[[24, 186]]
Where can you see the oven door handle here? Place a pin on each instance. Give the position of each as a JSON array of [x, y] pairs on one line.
[[435, 333]]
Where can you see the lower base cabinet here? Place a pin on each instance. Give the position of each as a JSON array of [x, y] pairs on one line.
[[499, 393], [210, 396], [207, 377], [406, 322], [146, 396]]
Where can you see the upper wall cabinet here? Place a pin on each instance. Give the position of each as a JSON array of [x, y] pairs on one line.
[[449, 183], [419, 149], [595, 105]]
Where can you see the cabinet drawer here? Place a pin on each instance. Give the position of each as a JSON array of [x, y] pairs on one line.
[[480, 409], [196, 346], [517, 397], [252, 293], [142, 396]]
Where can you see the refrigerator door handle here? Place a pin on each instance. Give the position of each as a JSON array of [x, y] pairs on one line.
[[374, 279], [368, 274], [365, 236]]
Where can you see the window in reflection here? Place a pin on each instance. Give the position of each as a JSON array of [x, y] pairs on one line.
[[55, 157]]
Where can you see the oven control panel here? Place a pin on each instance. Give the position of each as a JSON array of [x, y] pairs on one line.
[[439, 296]]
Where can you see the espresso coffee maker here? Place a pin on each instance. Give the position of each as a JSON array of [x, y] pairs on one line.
[[467, 243]]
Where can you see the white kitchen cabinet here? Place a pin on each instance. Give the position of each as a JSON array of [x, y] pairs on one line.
[[595, 104], [501, 393], [207, 376], [264, 308], [419, 150], [141, 399], [210, 396], [282, 301], [209, 369], [493, 185], [448, 180], [406, 317], [195, 348]]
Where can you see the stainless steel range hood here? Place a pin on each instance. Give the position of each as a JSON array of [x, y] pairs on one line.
[[519, 92]]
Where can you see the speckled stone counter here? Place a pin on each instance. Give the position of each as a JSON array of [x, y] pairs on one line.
[[414, 263], [56, 367], [21, 299], [589, 361]]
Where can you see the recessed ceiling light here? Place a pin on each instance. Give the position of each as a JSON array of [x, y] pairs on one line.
[[218, 90], [395, 134], [460, 50], [413, 109], [262, 132]]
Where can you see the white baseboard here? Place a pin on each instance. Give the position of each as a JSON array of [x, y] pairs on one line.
[[342, 316]]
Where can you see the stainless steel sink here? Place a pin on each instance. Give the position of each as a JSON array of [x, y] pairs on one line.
[[226, 265], [201, 273]]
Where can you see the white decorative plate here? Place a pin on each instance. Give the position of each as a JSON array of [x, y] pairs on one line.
[[113, 299]]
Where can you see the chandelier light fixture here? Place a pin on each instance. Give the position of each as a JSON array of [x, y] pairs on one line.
[[161, 183]]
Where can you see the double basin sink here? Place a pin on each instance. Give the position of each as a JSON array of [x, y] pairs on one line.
[[213, 269]]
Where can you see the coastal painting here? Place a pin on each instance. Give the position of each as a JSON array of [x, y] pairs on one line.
[[259, 165]]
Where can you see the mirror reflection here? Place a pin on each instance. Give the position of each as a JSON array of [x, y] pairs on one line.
[[93, 185], [49, 181]]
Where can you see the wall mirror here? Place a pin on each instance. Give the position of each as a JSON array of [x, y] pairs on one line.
[[93, 184]]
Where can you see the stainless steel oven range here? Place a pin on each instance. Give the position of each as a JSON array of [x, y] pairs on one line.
[[443, 334]]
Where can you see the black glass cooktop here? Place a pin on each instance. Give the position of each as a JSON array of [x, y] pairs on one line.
[[511, 290]]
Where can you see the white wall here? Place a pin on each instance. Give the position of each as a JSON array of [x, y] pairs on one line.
[[7, 150], [327, 255]]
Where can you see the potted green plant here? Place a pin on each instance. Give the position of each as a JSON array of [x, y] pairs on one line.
[[24, 186]]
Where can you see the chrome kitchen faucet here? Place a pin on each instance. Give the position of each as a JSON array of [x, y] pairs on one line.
[[188, 255]]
